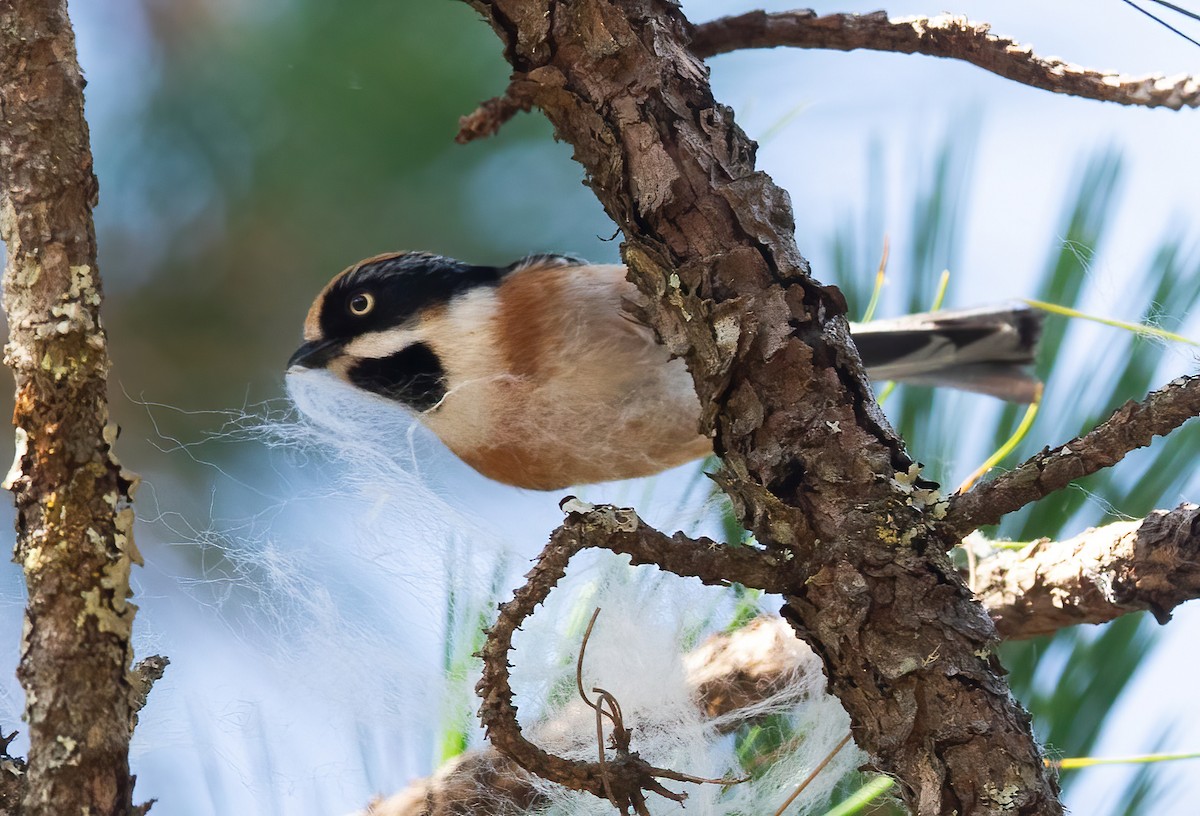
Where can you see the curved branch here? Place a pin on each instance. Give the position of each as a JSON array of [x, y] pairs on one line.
[[1092, 578], [728, 672], [1133, 425], [944, 35], [619, 530]]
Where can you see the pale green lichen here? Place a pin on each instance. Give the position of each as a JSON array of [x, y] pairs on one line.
[[727, 331], [1007, 797], [133, 480], [74, 318], [922, 498], [124, 535], [117, 618], [675, 295], [606, 517], [36, 558], [68, 755], [83, 286]]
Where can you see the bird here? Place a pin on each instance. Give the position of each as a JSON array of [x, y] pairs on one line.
[[537, 375]]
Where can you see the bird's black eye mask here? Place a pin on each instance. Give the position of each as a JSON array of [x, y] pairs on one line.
[[385, 293], [413, 376]]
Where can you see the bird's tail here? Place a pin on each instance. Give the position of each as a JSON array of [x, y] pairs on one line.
[[983, 350]]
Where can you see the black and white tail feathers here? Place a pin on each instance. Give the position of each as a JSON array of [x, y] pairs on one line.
[[984, 350]]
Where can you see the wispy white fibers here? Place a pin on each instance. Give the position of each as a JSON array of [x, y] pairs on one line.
[[643, 650], [322, 606]]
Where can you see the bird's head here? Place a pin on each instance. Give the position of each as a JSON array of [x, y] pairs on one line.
[[367, 326]]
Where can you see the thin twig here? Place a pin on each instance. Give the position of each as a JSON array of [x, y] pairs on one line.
[[947, 36], [1131, 426], [579, 662], [815, 771], [491, 115]]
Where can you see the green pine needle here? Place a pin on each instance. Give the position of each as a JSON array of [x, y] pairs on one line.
[[1145, 759], [1008, 447], [1136, 328], [862, 798]]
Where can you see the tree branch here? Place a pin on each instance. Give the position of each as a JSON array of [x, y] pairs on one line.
[[74, 523], [491, 115], [1099, 575], [811, 464], [1131, 426], [945, 35], [14, 778], [727, 673]]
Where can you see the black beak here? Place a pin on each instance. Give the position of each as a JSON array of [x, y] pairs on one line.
[[315, 354]]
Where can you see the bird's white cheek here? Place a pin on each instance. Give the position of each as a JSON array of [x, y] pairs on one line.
[[374, 345]]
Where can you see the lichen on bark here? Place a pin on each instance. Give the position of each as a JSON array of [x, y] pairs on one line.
[[74, 521]]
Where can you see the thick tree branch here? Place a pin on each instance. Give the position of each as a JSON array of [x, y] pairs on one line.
[[1099, 575], [811, 464], [74, 523], [944, 35], [1133, 425]]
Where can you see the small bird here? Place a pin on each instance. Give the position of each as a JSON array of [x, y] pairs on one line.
[[536, 375]]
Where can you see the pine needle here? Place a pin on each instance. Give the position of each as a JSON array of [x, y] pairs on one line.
[[880, 275], [808, 779], [1073, 763], [1008, 447], [1137, 328], [943, 285], [862, 798]]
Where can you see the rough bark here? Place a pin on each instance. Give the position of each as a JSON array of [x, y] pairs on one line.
[[811, 464], [73, 519], [1152, 564]]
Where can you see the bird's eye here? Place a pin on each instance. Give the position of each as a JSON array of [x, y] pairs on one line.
[[361, 303]]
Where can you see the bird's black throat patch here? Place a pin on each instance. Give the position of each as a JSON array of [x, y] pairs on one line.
[[413, 376]]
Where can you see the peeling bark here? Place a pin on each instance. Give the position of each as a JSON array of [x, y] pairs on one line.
[[812, 466], [74, 522], [1152, 564]]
